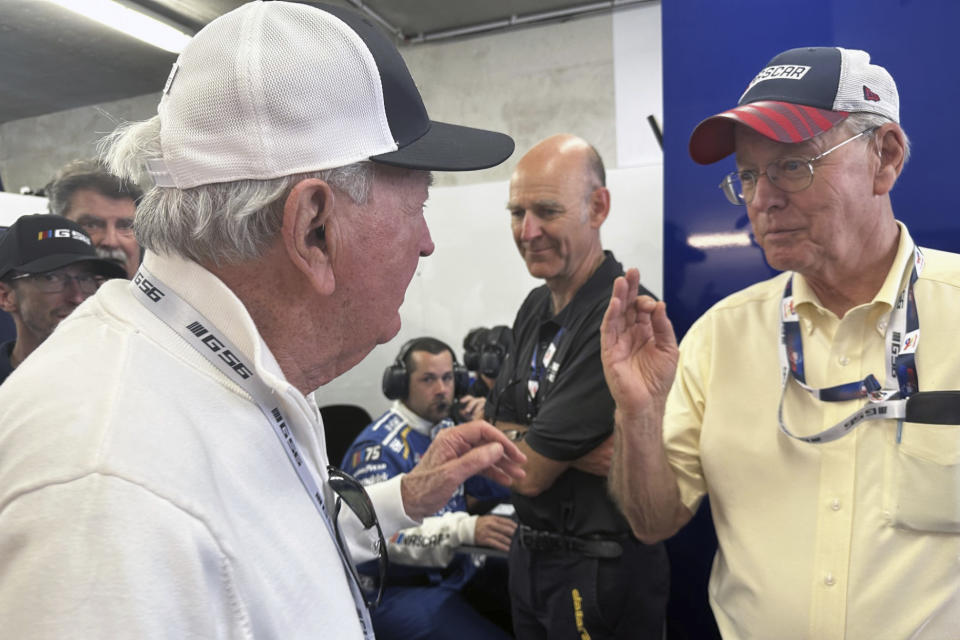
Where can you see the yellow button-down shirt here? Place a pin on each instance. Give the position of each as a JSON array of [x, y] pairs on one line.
[[856, 538]]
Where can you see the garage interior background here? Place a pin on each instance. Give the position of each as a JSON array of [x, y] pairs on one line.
[[600, 77]]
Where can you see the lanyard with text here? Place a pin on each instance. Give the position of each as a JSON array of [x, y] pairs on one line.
[[203, 336], [883, 402], [538, 368]]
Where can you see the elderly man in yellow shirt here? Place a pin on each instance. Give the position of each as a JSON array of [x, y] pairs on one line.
[[836, 503]]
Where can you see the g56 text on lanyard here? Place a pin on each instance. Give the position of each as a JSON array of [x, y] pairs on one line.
[[883, 402], [204, 337]]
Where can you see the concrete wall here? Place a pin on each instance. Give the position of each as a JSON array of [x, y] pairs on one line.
[[531, 83], [32, 149]]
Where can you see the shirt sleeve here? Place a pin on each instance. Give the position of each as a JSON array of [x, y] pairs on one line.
[[433, 543], [684, 413]]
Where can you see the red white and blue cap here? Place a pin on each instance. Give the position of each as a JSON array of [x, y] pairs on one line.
[[798, 95], [273, 89]]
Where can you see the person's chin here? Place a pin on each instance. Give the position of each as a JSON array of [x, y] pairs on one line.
[[539, 268], [388, 333]]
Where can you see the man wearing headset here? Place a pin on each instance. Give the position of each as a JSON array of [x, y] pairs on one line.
[[428, 585]]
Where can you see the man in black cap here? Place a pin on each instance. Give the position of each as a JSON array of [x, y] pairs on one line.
[[835, 485], [177, 485], [48, 266]]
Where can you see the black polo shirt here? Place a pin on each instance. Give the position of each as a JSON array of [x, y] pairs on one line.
[[572, 410]]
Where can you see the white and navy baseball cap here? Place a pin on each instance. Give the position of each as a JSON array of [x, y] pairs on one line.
[[800, 94], [39, 243], [278, 88]]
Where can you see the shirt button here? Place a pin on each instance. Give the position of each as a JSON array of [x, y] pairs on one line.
[[843, 360], [835, 505], [829, 580]]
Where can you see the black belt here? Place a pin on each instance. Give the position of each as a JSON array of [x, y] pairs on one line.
[[598, 546]]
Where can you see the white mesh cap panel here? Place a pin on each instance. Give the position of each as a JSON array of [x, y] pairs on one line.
[[856, 72], [268, 90]]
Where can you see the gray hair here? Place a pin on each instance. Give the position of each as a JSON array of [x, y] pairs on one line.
[[220, 223], [87, 173], [860, 121]]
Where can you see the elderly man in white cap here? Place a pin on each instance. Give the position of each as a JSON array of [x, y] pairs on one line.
[[834, 486], [177, 484]]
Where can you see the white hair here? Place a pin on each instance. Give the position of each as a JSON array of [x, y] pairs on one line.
[[861, 121], [220, 223]]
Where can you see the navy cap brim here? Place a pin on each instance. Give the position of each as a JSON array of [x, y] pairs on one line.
[[451, 147], [713, 140], [106, 268]]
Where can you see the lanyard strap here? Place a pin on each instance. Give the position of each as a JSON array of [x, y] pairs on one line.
[[202, 335], [540, 368], [883, 401]]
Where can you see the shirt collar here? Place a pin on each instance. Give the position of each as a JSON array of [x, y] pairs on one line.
[[416, 423], [206, 293], [596, 286]]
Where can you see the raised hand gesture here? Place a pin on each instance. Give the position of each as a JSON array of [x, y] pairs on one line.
[[638, 348]]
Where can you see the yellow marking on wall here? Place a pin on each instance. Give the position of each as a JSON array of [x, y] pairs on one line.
[[578, 614]]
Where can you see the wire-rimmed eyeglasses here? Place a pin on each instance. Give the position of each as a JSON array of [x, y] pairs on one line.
[[790, 173], [350, 491], [56, 281]]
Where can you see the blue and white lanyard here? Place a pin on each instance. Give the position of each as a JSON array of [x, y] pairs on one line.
[[888, 401], [203, 336], [540, 368]]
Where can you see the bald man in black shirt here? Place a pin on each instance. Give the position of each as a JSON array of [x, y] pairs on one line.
[[575, 569]]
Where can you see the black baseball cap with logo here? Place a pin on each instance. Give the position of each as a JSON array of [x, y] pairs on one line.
[[41, 242]]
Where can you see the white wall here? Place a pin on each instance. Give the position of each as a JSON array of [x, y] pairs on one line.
[[14, 205]]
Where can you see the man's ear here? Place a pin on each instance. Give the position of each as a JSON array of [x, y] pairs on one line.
[[599, 206], [891, 147], [307, 212], [8, 298]]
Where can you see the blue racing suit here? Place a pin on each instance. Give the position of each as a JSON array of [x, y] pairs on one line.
[[421, 598]]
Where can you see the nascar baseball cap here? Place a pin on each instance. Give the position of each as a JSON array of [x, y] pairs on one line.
[[42, 242], [279, 88], [800, 94]]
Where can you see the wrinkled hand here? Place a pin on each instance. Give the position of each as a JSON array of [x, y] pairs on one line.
[[494, 531], [456, 454], [598, 460], [638, 348], [471, 407]]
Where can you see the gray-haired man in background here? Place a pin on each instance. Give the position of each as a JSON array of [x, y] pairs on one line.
[[103, 204]]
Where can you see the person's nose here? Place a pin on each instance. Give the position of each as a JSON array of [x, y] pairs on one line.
[[426, 242], [530, 228], [767, 195], [72, 292], [109, 237]]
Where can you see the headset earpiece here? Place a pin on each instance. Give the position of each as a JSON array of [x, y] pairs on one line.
[[396, 380]]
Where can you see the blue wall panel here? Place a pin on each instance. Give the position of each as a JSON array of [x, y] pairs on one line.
[[711, 50]]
